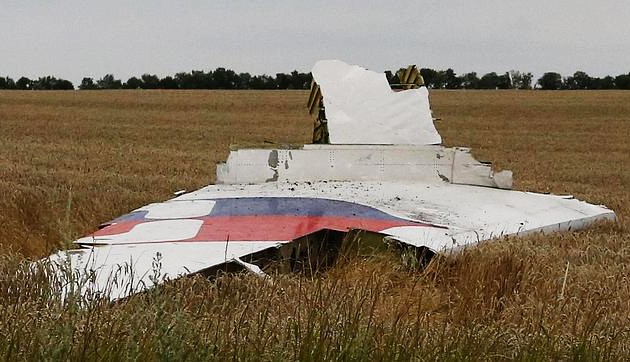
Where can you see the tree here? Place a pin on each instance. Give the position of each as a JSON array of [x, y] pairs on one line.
[[300, 80], [521, 80], [167, 83], [109, 82], [489, 81], [582, 80], [579, 80], [224, 78], [51, 83], [440, 79], [470, 80], [203, 80], [263, 82], [87, 83], [282, 81], [196, 79], [550, 80], [622, 81], [494, 81], [7, 83], [63, 84], [607, 82], [429, 76], [150, 81], [451, 81], [42, 83], [133, 83], [243, 81], [504, 81], [23, 83]]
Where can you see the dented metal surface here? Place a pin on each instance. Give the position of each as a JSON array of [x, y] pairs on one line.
[[361, 163], [246, 219], [426, 196]]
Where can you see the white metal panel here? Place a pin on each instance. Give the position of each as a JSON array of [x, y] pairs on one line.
[[358, 163], [151, 232], [471, 213], [178, 210], [411, 181], [117, 271], [361, 108]]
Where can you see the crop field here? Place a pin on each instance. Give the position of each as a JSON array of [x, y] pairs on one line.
[[72, 160]]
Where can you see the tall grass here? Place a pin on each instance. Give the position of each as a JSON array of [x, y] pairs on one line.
[[466, 307], [509, 299]]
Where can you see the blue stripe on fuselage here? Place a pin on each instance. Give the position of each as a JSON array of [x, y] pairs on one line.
[[281, 206], [295, 206]]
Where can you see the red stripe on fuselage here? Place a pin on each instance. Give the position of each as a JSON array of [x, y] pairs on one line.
[[268, 228], [117, 228], [264, 228]]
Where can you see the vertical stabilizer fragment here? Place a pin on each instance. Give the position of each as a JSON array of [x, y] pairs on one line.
[[361, 107]]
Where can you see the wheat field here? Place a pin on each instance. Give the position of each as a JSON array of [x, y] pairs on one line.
[[71, 160]]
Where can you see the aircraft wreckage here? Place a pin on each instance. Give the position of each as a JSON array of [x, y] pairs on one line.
[[375, 166]]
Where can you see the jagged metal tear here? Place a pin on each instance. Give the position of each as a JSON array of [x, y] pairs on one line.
[[361, 107]]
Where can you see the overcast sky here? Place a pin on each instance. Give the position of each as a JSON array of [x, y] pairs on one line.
[[75, 38]]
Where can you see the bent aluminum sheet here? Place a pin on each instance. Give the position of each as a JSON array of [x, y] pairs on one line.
[[119, 270], [222, 223], [361, 107], [431, 164], [418, 194], [450, 216]]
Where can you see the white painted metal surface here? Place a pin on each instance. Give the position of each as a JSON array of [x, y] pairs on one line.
[[360, 163], [117, 271], [419, 194], [361, 108], [195, 208], [175, 228], [471, 214], [468, 215]]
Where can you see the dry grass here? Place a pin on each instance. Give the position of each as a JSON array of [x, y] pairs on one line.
[[71, 160]]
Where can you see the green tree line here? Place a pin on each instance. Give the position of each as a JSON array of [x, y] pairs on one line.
[[447, 79], [43, 83], [222, 78]]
